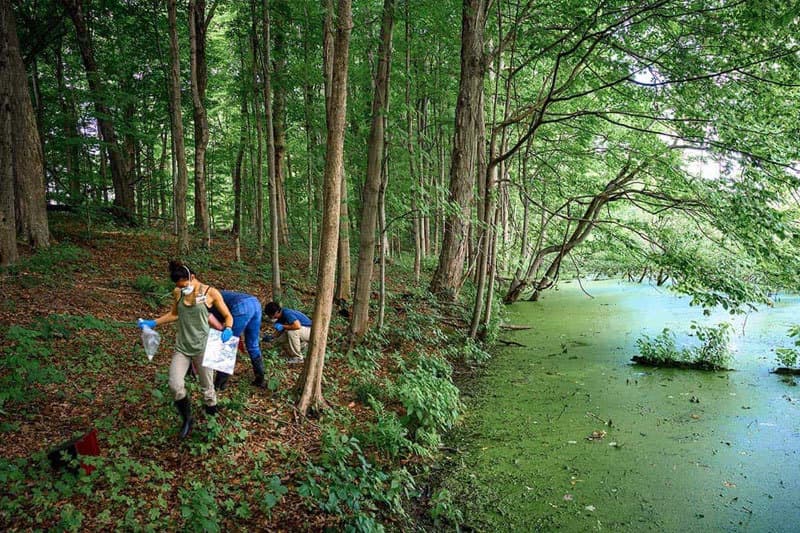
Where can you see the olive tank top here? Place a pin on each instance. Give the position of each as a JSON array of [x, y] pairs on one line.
[[192, 326]]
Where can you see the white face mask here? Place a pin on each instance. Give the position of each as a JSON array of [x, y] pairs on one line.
[[187, 290], [274, 320]]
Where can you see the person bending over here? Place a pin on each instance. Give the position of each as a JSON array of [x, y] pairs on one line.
[[293, 330], [246, 311]]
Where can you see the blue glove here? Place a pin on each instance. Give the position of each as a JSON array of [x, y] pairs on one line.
[[278, 327], [141, 323], [226, 334]]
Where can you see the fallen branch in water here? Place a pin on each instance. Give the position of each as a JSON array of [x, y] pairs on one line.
[[605, 422], [513, 327], [672, 363], [511, 343], [787, 371]]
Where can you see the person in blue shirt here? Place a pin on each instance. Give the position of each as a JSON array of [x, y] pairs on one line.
[[246, 311], [293, 330]]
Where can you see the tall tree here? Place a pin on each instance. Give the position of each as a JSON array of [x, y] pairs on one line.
[[342, 288], [198, 27], [69, 124], [257, 162], [447, 279], [182, 178], [343, 276], [372, 182], [309, 383], [279, 94], [8, 226], [412, 171], [30, 207], [123, 185], [274, 217], [236, 227]]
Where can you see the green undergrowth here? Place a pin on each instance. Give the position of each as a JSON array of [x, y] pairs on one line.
[[371, 469], [48, 266], [28, 363], [363, 477], [365, 474]]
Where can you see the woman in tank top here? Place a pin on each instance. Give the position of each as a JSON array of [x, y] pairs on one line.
[[191, 301]]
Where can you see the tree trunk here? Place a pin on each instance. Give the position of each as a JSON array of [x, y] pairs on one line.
[[198, 26], [71, 156], [162, 176], [309, 383], [447, 279], [415, 201], [382, 231], [8, 226], [129, 146], [182, 178], [279, 116], [343, 286], [372, 183], [488, 203], [30, 203], [585, 224], [258, 164], [308, 98], [236, 228], [38, 105], [274, 218], [237, 182], [491, 275], [123, 187]]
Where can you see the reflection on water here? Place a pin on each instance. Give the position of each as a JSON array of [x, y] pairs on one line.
[[568, 434]]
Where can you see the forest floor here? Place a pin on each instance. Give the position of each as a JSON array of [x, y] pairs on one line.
[[73, 311]]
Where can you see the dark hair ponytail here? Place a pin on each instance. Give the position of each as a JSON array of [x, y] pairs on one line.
[[179, 271]]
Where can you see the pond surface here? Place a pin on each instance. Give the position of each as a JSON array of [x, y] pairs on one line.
[[567, 434]]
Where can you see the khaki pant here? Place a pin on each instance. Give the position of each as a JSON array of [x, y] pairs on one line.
[[294, 341], [177, 377]]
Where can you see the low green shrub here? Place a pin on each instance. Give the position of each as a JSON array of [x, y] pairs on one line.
[[713, 353], [155, 292], [387, 434], [662, 348], [788, 357], [364, 359], [366, 386], [343, 482], [24, 365], [714, 350], [470, 352], [443, 510], [52, 261], [199, 508], [427, 393], [34, 495]]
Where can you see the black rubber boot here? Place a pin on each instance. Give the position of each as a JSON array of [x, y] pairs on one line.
[[258, 371], [221, 381], [185, 410], [211, 410]]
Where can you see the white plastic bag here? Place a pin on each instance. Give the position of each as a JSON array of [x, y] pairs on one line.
[[220, 355], [150, 341]]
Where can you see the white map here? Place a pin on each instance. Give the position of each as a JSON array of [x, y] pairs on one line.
[[220, 355]]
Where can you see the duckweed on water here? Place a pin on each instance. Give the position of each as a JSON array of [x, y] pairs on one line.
[[569, 435]]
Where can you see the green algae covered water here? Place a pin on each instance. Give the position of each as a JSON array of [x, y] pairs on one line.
[[566, 434]]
